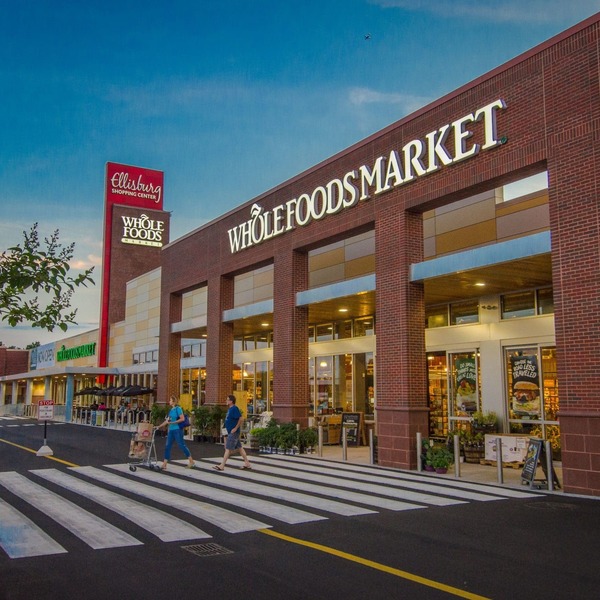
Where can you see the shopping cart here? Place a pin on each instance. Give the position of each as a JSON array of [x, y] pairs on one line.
[[142, 451]]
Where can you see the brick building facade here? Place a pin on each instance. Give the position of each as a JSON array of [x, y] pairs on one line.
[[539, 112]]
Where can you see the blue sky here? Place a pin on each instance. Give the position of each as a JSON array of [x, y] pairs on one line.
[[228, 97]]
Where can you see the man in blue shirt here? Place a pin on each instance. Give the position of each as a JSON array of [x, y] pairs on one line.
[[233, 423]]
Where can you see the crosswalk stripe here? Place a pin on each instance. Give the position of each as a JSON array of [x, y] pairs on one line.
[[93, 531], [225, 519], [404, 476], [163, 525], [21, 538], [313, 488], [381, 485], [250, 487], [286, 514]]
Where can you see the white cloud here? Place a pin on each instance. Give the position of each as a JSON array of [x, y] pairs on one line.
[[407, 103], [509, 11]]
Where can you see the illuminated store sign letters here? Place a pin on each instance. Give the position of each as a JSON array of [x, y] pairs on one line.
[[142, 231], [121, 184], [76, 352], [416, 158]]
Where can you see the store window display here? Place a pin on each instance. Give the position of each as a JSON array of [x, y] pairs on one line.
[[532, 393]]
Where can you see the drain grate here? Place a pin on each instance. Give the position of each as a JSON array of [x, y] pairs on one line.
[[207, 550]]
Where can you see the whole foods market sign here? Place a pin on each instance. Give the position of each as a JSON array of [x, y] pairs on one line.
[[443, 147], [142, 231], [77, 352]]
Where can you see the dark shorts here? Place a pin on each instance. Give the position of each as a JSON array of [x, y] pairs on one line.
[[232, 442]]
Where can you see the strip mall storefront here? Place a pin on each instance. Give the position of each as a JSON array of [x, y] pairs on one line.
[[403, 277]]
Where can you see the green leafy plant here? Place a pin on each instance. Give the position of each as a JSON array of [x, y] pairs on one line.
[[158, 413], [307, 438], [288, 435], [216, 415], [486, 421], [30, 274], [268, 436], [439, 457], [202, 420]]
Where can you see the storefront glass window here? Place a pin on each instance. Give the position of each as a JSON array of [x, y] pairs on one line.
[[343, 330], [464, 384], [324, 383], [325, 332], [465, 312], [437, 376], [545, 301], [436, 316], [533, 400], [363, 327], [521, 304]]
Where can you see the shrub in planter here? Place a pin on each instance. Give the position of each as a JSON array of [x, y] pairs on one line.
[[268, 437], [202, 422], [307, 438], [440, 458], [487, 422], [288, 436], [217, 414]]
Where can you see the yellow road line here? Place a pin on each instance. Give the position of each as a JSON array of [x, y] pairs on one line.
[[64, 462], [375, 565]]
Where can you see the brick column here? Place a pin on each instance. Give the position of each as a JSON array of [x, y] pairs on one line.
[[290, 340], [401, 401], [574, 224], [219, 343], [169, 348]]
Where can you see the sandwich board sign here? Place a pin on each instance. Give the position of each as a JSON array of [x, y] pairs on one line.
[[45, 413], [45, 410]]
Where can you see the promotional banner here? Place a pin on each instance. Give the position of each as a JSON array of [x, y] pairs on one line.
[[526, 386], [466, 385]]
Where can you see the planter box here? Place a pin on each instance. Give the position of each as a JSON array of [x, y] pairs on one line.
[[474, 455]]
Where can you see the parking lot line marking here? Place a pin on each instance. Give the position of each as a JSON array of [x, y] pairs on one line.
[[375, 565], [60, 460]]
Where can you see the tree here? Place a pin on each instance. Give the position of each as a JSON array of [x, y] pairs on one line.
[[30, 270]]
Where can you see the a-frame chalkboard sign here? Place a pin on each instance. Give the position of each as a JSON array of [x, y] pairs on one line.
[[536, 453]]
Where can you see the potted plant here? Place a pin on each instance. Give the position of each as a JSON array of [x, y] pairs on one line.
[[307, 439], [268, 437], [158, 413], [440, 458], [288, 437], [217, 414], [202, 420], [254, 438], [473, 446], [485, 422]]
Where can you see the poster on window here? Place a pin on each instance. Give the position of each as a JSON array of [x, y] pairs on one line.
[[526, 402], [466, 385]]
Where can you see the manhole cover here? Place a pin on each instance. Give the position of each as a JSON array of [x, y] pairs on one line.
[[207, 549]]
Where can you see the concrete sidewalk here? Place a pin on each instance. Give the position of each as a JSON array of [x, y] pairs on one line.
[[511, 476]]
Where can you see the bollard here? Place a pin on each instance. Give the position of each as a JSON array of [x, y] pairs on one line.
[[549, 467], [320, 440], [344, 444], [371, 447], [456, 456], [419, 452], [499, 460]]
